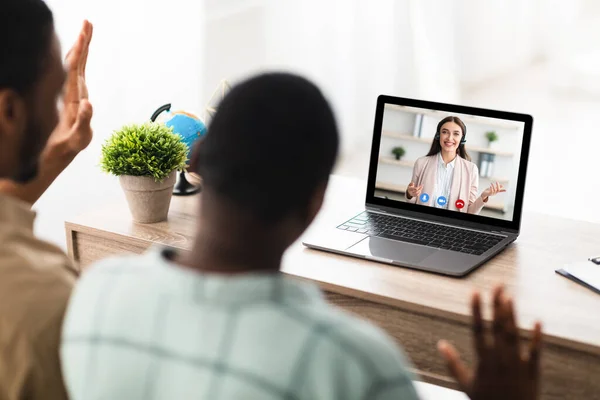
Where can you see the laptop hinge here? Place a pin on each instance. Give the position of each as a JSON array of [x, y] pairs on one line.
[[504, 232]]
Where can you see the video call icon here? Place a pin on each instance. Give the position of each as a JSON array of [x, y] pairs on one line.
[[424, 198], [442, 201]]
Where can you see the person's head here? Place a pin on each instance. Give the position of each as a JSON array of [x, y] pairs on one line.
[[450, 136], [268, 153], [31, 80]]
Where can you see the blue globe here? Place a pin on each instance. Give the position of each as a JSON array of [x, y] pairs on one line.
[[188, 126]]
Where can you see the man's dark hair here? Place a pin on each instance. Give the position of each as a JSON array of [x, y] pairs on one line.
[[271, 143], [26, 28]]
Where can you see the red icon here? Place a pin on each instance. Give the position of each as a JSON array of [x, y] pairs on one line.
[[460, 204]]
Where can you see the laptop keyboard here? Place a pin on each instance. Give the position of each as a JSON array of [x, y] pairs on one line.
[[423, 233]]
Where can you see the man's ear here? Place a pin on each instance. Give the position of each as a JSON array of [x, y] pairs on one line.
[[13, 121], [13, 116]]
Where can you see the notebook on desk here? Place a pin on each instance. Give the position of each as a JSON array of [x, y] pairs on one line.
[[586, 273]]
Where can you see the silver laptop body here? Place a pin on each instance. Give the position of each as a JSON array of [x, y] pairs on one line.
[[441, 240]]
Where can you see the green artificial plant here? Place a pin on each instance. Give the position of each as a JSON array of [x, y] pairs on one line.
[[149, 149], [491, 136], [399, 152]]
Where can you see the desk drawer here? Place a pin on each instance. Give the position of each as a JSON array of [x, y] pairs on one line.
[[87, 249], [566, 373]]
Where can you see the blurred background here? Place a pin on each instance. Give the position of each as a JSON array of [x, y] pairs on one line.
[[535, 56]]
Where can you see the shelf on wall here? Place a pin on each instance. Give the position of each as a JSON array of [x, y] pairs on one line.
[[391, 187], [393, 161], [495, 206], [495, 179], [402, 136], [499, 123], [474, 149]]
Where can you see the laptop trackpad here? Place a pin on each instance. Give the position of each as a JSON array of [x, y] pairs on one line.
[[391, 250]]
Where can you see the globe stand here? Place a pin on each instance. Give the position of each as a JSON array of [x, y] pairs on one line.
[[183, 187]]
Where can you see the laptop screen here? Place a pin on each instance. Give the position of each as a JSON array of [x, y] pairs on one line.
[[450, 160]]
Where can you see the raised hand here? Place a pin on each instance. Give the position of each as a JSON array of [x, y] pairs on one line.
[[413, 190], [74, 133], [493, 190], [503, 371]]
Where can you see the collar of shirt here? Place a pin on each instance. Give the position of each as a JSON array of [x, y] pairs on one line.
[[16, 213], [232, 289], [443, 164]]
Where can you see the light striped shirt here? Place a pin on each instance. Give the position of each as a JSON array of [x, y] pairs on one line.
[[142, 327], [443, 181]]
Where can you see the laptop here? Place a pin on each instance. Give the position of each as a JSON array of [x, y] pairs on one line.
[[444, 191]]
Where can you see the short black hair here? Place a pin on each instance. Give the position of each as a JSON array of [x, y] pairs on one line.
[[26, 28], [271, 143]]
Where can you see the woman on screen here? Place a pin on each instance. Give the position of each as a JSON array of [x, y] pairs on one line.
[[446, 178]]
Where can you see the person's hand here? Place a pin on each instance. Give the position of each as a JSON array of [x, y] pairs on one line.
[[493, 190], [503, 371], [73, 132], [413, 190]]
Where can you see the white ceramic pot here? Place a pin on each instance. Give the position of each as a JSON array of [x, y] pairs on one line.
[[148, 200]]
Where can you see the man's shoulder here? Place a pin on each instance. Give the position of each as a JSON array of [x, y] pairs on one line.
[[35, 286], [42, 269], [109, 284], [112, 270], [27, 252], [360, 338], [363, 352]]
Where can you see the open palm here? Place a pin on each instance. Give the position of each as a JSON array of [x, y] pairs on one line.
[[493, 190], [503, 370], [74, 133]]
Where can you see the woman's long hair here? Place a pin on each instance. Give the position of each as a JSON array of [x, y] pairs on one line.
[[436, 147]]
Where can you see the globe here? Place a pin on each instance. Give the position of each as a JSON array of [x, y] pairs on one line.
[[186, 125]]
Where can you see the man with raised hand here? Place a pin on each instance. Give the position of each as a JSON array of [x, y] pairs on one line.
[[37, 141]]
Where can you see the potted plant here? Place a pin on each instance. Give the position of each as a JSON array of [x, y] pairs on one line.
[[398, 152], [491, 136], [145, 157]]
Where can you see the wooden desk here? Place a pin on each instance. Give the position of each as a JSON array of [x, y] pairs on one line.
[[417, 308]]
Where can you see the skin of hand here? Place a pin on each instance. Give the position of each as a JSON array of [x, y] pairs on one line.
[[414, 191], [503, 370], [493, 190], [73, 132]]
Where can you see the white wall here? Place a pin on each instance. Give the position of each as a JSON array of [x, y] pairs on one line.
[[235, 42], [353, 50], [144, 54], [493, 37]]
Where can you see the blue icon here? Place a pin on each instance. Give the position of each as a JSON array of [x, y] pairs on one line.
[[442, 201], [424, 198]]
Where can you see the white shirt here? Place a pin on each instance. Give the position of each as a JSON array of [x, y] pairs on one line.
[[443, 181], [141, 327]]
